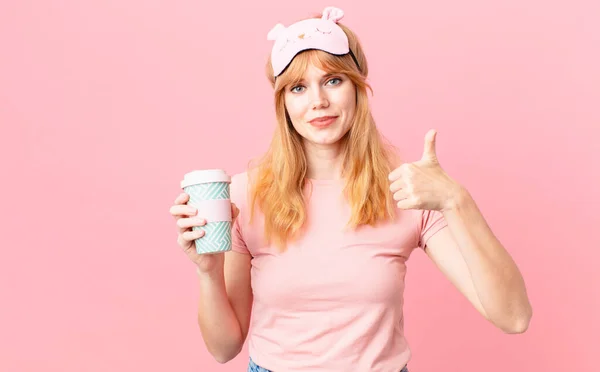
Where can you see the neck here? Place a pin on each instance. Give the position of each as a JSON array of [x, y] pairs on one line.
[[324, 161]]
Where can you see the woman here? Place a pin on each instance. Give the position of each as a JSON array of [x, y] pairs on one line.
[[326, 221]]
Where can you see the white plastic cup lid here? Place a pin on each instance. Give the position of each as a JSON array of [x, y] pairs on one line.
[[204, 176]]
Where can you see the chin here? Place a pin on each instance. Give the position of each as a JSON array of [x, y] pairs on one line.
[[324, 141]]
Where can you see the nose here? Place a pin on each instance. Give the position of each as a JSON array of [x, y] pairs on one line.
[[319, 99]]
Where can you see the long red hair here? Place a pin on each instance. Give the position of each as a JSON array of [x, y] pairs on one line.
[[280, 176]]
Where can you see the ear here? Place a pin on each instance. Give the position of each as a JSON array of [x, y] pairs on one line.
[[275, 32], [333, 14]]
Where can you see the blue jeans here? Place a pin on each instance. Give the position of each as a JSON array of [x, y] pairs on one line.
[[252, 367]]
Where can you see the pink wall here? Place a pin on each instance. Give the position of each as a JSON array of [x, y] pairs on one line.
[[104, 106]]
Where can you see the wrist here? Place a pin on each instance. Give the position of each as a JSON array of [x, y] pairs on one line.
[[214, 274], [457, 197]]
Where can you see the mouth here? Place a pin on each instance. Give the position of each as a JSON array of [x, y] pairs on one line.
[[323, 121]]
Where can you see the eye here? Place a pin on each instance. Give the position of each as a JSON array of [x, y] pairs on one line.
[[334, 81], [296, 89], [327, 31], [284, 45]]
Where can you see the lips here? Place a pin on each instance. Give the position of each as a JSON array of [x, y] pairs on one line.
[[323, 121]]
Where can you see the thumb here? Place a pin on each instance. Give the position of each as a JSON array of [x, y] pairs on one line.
[[429, 153]]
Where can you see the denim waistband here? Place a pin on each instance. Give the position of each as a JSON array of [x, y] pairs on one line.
[[252, 367]]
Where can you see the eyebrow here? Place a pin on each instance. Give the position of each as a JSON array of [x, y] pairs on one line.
[[324, 77]]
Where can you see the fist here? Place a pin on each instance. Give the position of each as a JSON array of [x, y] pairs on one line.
[[423, 184]]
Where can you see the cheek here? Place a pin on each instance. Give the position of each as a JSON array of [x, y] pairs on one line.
[[295, 107], [351, 105], [347, 101], [296, 113]]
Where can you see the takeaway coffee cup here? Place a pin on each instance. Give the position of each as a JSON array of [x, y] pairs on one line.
[[209, 193]]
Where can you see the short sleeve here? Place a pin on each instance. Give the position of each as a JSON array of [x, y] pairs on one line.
[[431, 223], [237, 240], [238, 195]]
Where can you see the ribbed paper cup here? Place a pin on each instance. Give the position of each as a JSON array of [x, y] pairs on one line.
[[209, 193]]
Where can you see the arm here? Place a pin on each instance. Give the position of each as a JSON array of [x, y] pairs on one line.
[[467, 251], [225, 306], [474, 260]]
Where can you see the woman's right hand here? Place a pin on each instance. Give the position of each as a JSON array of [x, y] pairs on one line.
[[186, 217]]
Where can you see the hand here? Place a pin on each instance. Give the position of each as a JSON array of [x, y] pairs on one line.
[[423, 184], [186, 217]]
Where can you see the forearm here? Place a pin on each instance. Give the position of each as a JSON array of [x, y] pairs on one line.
[[217, 320], [497, 280]]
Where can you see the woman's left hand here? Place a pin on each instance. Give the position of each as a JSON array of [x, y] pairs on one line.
[[423, 184]]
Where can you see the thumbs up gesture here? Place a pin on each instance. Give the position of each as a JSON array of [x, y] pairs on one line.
[[423, 184]]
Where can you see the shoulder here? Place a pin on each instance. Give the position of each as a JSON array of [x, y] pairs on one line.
[[239, 180], [240, 187]]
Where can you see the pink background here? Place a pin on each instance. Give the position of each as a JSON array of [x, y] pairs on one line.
[[105, 105]]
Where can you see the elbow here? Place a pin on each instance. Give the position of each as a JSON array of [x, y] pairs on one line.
[[223, 358], [223, 346], [519, 323], [225, 355], [518, 327]]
